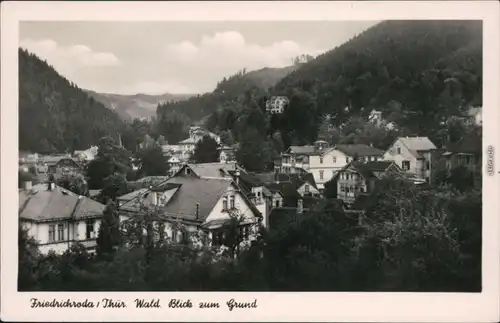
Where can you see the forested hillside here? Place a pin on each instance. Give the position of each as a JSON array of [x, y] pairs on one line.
[[226, 92], [418, 73], [139, 105], [54, 114], [427, 68]]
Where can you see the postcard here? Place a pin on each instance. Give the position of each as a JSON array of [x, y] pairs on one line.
[[250, 161]]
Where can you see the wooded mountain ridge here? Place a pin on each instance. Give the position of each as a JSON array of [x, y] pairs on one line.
[[416, 72], [54, 114]]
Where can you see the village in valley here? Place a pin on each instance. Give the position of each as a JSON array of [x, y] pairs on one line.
[[121, 201]]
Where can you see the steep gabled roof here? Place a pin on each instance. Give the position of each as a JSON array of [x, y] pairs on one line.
[[368, 169], [212, 170], [192, 191], [359, 150], [417, 144], [189, 192], [302, 150], [42, 205]]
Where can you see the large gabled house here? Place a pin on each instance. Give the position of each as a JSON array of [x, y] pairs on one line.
[[198, 204], [414, 155], [57, 218]]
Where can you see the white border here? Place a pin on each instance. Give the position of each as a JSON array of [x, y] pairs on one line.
[[402, 307]]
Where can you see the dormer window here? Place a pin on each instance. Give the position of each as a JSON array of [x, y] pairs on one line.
[[231, 202], [224, 203]]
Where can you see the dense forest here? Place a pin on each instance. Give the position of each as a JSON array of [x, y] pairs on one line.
[[430, 68], [54, 114], [418, 73]]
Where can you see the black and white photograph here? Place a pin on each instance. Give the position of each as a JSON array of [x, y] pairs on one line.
[[249, 156]]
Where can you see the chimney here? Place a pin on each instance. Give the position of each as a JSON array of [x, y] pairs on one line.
[[27, 185], [237, 175], [197, 211], [300, 206]]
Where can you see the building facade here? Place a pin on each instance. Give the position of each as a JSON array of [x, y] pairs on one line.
[[57, 218], [198, 205], [414, 155]]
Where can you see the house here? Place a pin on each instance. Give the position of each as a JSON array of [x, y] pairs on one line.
[[175, 164], [86, 155], [360, 178], [179, 152], [188, 204], [256, 192], [226, 154], [277, 104], [28, 158], [57, 218], [324, 162], [475, 116], [197, 134], [147, 182], [59, 165], [188, 145], [467, 152], [413, 155]]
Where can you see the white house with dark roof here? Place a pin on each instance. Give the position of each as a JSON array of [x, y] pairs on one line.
[[196, 203], [324, 162], [57, 218], [413, 155]]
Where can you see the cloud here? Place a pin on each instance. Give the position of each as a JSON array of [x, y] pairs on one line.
[[68, 58], [227, 52]]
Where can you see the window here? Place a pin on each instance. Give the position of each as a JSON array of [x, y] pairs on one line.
[[90, 229], [60, 232], [427, 165], [406, 165], [174, 235], [321, 174], [398, 151], [334, 159], [306, 188], [231, 202], [347, 159], [321, 160], [52, 233], [224, 203], [244, 232], [217, 238], [277, 203], [258, 193]]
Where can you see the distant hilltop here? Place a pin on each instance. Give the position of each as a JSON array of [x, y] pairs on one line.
[[138, 105]]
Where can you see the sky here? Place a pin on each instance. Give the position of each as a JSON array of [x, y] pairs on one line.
[[175, 57]]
